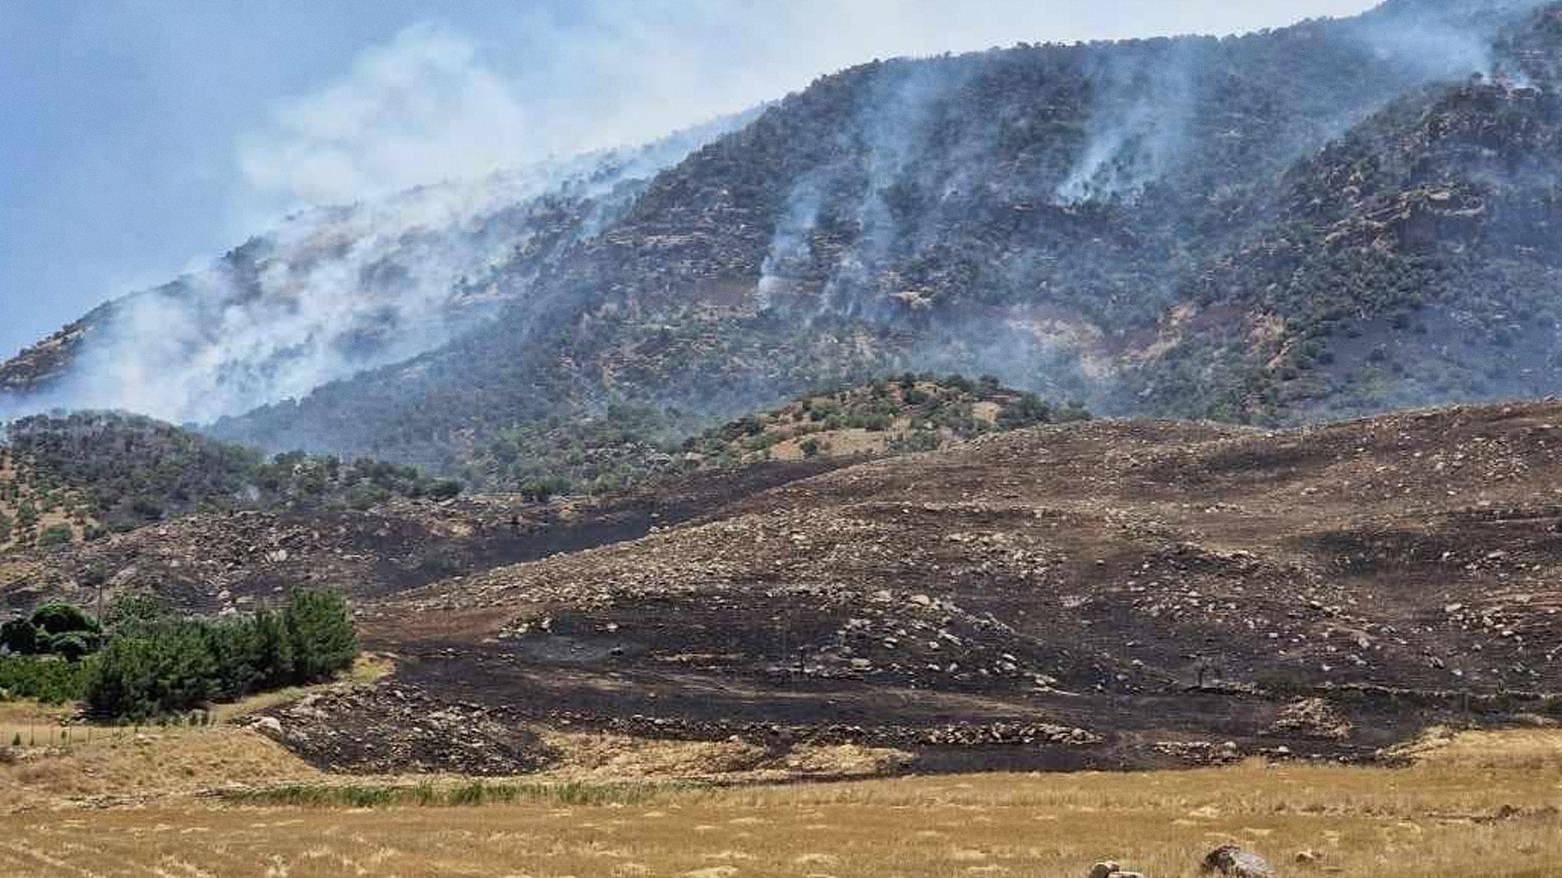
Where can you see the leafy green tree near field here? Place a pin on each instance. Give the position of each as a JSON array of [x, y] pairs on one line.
[[274, 647], [62, 618], [322, 635], [48, 680]]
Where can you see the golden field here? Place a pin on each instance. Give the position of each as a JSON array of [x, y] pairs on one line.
[[1473, 804]]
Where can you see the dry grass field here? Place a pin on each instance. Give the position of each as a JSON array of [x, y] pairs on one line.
[[1478, 804]]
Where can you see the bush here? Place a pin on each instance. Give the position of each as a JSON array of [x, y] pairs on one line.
[[49, 680], [19, 636], [322, 635], [444, 490], [62, 618], [55, 535], [135, 608], [72, 645]]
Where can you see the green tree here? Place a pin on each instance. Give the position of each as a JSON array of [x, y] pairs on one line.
[[135, 608], [236, 649], [321, 630], [274, 650], [58, 617], [20, 636]]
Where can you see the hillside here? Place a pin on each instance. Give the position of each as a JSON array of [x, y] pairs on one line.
[[904, 414], [1179, 227], [65, 478], [169, 496], [623, 445], [1413, 260], [1106, 593], [1162, 587], [32, 507]]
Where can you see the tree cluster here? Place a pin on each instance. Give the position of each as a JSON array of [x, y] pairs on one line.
[[126, 471], [57, 629], [156, 664]]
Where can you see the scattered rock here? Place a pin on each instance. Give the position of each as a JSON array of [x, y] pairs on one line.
[[392, 730], [1311, 718], [1233, 862]]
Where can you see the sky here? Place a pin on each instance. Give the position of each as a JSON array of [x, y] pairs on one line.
[[142, 138]]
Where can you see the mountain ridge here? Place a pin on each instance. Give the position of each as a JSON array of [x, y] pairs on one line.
[[1047, 214]]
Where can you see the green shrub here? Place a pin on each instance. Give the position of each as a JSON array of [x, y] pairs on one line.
[[47, 679], [56, 535], [62, 618], [322, 635], [19, 636]]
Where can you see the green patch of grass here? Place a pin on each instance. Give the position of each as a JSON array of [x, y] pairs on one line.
[[467, 794]]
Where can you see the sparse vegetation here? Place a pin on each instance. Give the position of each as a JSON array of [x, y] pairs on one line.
[[624, 445], [464, 794]]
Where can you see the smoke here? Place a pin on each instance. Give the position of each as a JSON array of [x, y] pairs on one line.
[[437, 102], [415, 136], [1139, 115], [1441, 41], [337, 291], [791, 252], [421, 109]]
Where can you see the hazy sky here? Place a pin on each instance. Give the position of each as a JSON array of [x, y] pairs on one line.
[[142, 137]]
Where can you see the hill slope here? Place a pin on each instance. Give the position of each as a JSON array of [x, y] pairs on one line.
[[1153, 584], [78, 476], [334, 291], [1106, 593], [1053, 215]]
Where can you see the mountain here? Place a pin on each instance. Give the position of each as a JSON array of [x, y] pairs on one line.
[[1416, 259], [1321, 219]]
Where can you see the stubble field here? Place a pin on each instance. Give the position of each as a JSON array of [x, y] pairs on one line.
[[1477, 804]]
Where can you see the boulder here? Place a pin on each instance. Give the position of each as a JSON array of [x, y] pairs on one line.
[[1234, 862], [1105, 869]]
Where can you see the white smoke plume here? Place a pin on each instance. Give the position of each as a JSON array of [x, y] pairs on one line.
[[420, 110], [336, 291]]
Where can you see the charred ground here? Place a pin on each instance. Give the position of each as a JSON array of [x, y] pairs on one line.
[[1101, 594]]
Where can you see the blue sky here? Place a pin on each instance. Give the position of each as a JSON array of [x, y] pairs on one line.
[[141, 137]]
